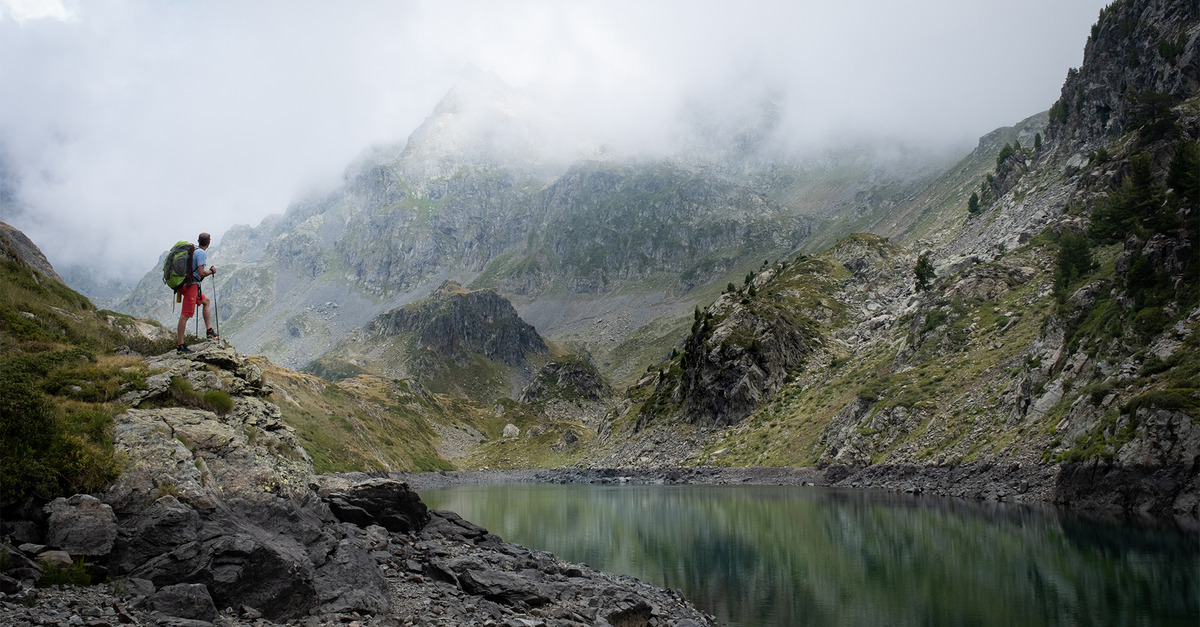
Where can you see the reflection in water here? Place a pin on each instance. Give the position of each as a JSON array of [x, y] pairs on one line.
[[763, 555]]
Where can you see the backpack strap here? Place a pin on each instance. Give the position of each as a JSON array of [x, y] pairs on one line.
[[190, 270]]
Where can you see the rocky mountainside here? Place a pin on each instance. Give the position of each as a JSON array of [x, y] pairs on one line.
[[17, 248], [1054, 322]]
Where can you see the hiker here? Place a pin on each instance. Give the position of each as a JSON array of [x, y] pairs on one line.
[[192, 296]]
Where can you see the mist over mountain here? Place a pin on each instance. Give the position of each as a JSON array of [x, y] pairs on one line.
[[125, 134], [489, 193]]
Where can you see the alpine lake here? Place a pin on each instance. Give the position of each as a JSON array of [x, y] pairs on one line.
[[770, 555]]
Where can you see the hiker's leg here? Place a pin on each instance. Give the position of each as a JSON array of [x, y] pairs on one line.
[[207, 317], [187, 310]]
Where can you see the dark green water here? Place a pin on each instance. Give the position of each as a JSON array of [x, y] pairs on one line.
[[761, 555]]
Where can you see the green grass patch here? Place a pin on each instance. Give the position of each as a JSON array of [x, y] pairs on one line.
[[216, 401], [54, 574]]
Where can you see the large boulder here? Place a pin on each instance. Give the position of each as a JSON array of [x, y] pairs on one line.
[[185, 600], [390, 504], [81, 525]]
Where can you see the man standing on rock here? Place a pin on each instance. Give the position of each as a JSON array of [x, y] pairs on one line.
[[192, 297]]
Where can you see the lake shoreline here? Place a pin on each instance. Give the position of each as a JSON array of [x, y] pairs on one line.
[[1161, 493]]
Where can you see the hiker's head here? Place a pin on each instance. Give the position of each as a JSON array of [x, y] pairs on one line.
[[203, 239]]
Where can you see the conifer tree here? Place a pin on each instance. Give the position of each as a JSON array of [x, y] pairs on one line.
[[1183, 175], [924, 272]]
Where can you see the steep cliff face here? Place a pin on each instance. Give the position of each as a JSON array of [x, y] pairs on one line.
[[1140, 59], [18, 248], [456, 322]]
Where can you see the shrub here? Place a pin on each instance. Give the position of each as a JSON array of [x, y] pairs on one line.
[[28, 431], [1150, 112], [1172, 48], [1074, 260], [215, 401], [933, 320], [58, 575], [220, 401], [1059, 111], [1137, 204]]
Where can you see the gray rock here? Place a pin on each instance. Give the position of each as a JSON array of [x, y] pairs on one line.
[[81, 525], [24, 532], [136, 587], [384, 502], [185, 600], [54, 558], [160, 529], [8, 585], [502, 587], [350, 581]]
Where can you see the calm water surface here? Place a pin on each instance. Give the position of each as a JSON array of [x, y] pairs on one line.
[[765, 555]]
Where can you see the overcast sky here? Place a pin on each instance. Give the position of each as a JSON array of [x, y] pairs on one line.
[[130, 124]]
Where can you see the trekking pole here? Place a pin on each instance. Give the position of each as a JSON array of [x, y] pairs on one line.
[[216, 309]]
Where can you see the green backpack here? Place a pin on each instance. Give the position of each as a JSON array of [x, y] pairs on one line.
[[177, 268]]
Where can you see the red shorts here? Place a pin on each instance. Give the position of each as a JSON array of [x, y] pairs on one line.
[[192, 298]]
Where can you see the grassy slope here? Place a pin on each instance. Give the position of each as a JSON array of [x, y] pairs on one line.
[[59, 381], [370, 423], [965, 355]]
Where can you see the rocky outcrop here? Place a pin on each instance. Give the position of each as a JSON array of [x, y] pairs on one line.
[[455, 323], [389, 504], [737, 358], [569, 389], [1139, 50], [16, 246], [218, 508], [464, 342], [744, 348]]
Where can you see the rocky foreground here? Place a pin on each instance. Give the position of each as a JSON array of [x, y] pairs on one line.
[[218, 519]]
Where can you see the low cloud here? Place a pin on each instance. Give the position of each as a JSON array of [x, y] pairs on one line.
[[129, 125]]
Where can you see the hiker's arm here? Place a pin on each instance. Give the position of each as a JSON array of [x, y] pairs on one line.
[[204, 271]]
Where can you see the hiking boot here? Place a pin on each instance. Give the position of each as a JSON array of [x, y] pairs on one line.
[[212, 335], [182, 349]]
